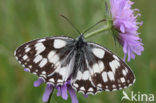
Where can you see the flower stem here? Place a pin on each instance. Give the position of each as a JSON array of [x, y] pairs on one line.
[[50, 96], [104, 28]]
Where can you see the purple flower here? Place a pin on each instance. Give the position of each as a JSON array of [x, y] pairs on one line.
[[61, 91], [125, 22]]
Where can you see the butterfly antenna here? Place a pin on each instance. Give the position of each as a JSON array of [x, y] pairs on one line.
[[94, 25], [70, 23]]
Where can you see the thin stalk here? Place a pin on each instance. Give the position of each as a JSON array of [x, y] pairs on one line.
[[104, 28]]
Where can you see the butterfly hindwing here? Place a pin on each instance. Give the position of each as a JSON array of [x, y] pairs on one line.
[[45, 58], [104, 71]]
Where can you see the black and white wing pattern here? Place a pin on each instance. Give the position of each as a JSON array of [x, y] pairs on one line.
[[102, 71], [47, 58], [91, 67]]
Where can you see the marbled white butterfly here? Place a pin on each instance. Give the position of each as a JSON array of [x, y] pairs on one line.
[[91, 67]]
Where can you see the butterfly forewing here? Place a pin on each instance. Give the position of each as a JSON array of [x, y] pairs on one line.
[[104, 71], [46, 58]]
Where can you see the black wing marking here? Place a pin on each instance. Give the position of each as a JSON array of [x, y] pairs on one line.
[[47, 58]]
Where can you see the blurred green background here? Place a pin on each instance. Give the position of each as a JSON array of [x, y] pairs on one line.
[[24, 20]]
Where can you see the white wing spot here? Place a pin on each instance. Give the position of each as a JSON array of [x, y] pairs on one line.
[[25, 63], [107, 90], [99, 85], [79, 75], [125, 87], [43, 62], [104, 77], [114, 65], [53, 59], [27, 49], [58, 43], [111, 76], [76, 85], [130, 84], [50, 55], [60, 80], [90, 89], [96, 68], [44, 73], [122, 80], [85, 75], [101, 65], [25, 57], [39, 47], [82, 88], [51, 80], [113, 86], [119, 85], [124, 72], [128, 81], [62, 71], [30, 66], [98, 52], [114, 89], [37, 59]]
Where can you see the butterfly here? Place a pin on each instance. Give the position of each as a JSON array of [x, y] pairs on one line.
[[90, 67]]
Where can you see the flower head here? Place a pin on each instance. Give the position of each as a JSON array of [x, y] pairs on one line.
[[61, 90], [125, 21]]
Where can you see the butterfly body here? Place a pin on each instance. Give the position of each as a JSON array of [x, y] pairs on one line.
[[90, 67]]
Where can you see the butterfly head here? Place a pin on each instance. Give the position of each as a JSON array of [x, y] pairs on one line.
[[80, 41], [80, 38]]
